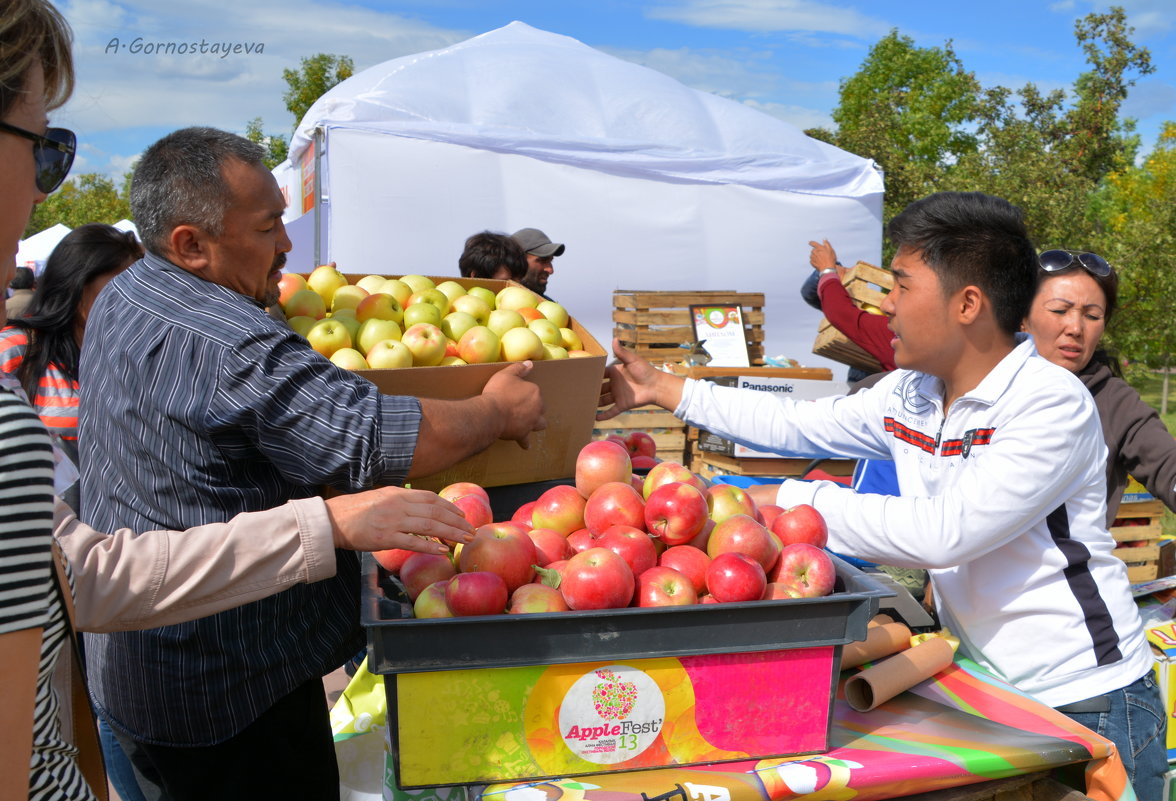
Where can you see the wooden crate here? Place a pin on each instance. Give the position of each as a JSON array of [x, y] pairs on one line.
[[1137, 531], [668, 432], [655, 324], [709, 465], [865, 283]]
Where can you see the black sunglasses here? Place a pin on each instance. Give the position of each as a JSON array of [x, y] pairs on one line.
[[1055, 261], [53, 152]]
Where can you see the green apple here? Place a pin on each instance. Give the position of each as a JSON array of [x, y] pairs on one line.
[[555, 351], [502, 320], [372, 283], [347, 297], [325, 280], [516, 297], [519, 344], [452, 290], [426, 342], [418, 283], [379, 306], [554, 312], [305, 303], [474, 306], [547, 331], [457, 323], [349, 359], [376, 330], [434, 296], [571, 340], [347, 318], [479, 345], [301, 324], [397, 289], [421, 313], [452, 361], [389, 354], [485, 294], [327, 336]]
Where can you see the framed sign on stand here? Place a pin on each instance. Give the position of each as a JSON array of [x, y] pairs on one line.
[[719, 329]]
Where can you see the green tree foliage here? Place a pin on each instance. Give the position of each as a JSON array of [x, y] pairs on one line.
[[275, 145], [312, 79], [82, 199]]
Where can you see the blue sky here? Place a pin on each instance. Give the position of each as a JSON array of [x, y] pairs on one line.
[[784, 57]]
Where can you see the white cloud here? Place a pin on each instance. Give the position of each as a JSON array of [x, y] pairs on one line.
[[772, 15]]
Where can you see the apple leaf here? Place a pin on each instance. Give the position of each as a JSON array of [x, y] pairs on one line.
[[549, 577]]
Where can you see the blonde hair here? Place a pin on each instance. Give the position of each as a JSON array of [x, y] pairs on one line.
[[32, 32]]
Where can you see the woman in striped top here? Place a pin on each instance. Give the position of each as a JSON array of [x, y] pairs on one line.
[[41, 349]]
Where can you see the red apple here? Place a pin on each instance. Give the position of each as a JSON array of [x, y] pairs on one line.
[[675, 513], [631, 544], [664, 586], [703, 539], [535, 598], [618, 439], [638, 483], [501, 548], [641, 444], [725, 500], [741, 534], [691, 562], [667, 473], [707, 599], [643, 462], [733, 577], [460, 488], [597, 579], [523, 516], [581, 540], [560, 508], [476, 593], [476, 510], [807, 569], [550, 546], [422, 569], [801, 523], [614, 503], [431, 602], [768, 513], [392, 559], [558, 567], [779, 591], [600, 462]]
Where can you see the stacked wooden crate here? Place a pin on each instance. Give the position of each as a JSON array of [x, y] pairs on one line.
[[668, 432], [866, 285], [657, 324], [1137, 533]]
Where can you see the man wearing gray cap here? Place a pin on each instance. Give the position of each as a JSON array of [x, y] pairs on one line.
[[540, 251]]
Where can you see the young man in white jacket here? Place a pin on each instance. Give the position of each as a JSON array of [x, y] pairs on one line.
[[1000, 458]]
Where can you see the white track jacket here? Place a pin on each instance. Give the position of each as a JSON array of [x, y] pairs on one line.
[[1003, 500]]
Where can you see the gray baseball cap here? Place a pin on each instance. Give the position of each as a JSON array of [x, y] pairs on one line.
[[537, 243]]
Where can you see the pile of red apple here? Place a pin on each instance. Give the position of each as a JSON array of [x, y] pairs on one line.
[[642, 448], [616, 540]]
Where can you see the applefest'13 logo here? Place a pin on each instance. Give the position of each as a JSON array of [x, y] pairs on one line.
[[715, 318], [611, 714]]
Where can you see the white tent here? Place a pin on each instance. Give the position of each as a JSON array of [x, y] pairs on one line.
[[36, 249], [127, 225], [650, 184]]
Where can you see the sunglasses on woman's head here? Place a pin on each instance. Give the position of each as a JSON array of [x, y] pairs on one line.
[[1055, 261], [53, 153]]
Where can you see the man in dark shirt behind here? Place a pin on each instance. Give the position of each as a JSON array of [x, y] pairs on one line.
[[199, 406]]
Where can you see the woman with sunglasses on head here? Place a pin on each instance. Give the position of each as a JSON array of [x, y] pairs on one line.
[[1076, 295]]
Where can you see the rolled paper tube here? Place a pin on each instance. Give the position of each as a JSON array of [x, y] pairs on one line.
[[878, 684], [883, 640]]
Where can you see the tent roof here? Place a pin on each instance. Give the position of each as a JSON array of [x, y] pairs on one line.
[[526, 91], [38, 246]]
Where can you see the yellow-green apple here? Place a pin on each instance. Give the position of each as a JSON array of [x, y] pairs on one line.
[[454, 324], [631, 544], [376, 330], [434, 296], [640, 443], [372, 283], [450, 348], [554, 312], [301, 324], [305, 303], [611, 504], [580, 354], [691, 562], [349, 359], [478, 592], [328, 336], [668, 472], [600, 462], [422, 569], [581, 540], [479, 345], [452, 290], [725, 500], [520, 344], [485, 294], [379, 306], [452, 361], [742, 534], [288, 284], [389, 354], [550, 546], [427, 344], [801, 523], [554, 353], [664, 586], [347, 297], [474, 306], [397, 289], [516, 297], [502, 320], [460, 488], [421, 313], [347, 318], [529, 315], [571, 340], [597, 579], [734, 577], [675, 513], [430, 604], [523, 515], [392, 559], [547, 331], [560, 508], [325, 280], [501, 548], [536, 598], [807, 569], [418, 283]]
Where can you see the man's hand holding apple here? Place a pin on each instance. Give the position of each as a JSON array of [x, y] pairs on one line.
[[395, 517]]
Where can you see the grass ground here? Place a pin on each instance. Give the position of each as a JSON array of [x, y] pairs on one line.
[[1150, 389]]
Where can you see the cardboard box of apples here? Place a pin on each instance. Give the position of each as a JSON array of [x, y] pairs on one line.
[[720, 621], [438, 337]]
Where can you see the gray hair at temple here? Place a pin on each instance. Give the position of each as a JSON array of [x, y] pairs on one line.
[[180, 181]]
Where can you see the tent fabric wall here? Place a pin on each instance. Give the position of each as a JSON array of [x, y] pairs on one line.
[[651, 185]]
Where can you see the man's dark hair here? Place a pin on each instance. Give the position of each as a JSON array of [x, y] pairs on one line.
[[973, 239], [486, 252], [22, 279], [179, 181]]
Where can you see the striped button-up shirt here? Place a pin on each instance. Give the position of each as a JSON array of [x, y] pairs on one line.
[[196, 405]]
